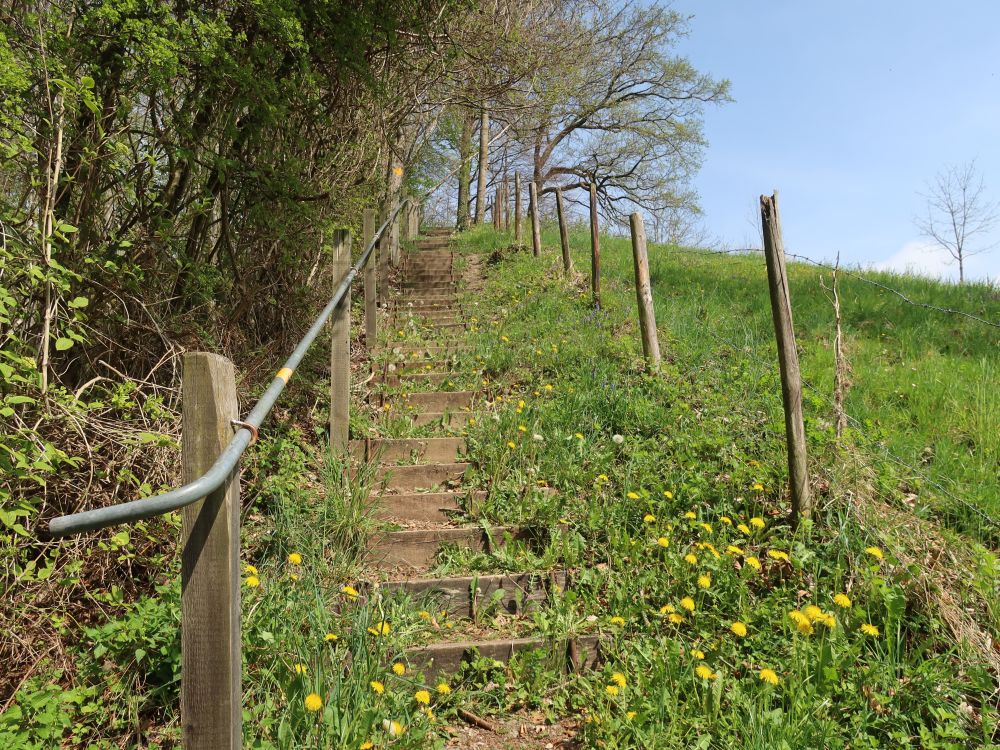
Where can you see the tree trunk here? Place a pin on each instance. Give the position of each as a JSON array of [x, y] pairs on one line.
[[484, 165], [465, 171]]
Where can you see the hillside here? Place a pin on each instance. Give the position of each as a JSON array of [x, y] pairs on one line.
[[664, 497]]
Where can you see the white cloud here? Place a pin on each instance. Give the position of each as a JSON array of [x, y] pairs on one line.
[[922, 258]]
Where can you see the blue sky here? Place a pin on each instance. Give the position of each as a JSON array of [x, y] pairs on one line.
[[848, 109]]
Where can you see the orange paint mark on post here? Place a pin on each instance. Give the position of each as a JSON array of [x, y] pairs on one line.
[[284, 373]]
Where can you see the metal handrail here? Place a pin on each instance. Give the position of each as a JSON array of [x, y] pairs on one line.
[[224, 465]]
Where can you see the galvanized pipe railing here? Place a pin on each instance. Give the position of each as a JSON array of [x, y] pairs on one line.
[[211, 480]]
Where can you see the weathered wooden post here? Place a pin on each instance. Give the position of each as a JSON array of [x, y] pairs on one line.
[[563, 235], [506, 204], [595, 248], [404, 221], [644, 294], [536, 230], [371, 293], [497, 211], [788, 358], [211, 710], [340, 346], [518, 234], [414, 220], [382, 256]]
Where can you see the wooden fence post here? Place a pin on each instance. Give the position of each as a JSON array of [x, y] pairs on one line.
[[518, 234], [414, 220], [405, 223], [340, 346], [506, 204], [644, 294], [497, 209], [211, 709], [382, 257], [536, 230], [788, 358], [371, 292], [595, 248], [563, 235]]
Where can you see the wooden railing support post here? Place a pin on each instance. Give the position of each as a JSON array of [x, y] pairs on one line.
[[340, 346], [371, 290], [404, 223], [382, 256], [211, 710], [536, 230], [595, 248], [788, 358], [644, 295], [518, 233], [563, 234]]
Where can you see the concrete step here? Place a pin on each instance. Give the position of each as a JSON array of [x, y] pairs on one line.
[[407, 478], [433, 401], [438, 659], [428, 450], [417, 548], [426, 507], [463, 596]]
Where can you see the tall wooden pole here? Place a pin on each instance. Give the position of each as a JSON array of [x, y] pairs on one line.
[[382, 259], [506, 203], [563, 234], [395, 187], [518, 234], [497, 210], [644, 295], [595, 248], [371, 292], [340, 346], [536, 229], [211, 710], [484, 165], [788, 358]]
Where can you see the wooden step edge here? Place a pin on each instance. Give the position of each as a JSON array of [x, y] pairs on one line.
[[513, 593], [436, 507], [437, 659]]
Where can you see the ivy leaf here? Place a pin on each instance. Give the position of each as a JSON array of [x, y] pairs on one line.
[[62, 344]]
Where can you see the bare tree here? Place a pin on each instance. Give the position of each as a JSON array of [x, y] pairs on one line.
[[959, 213]]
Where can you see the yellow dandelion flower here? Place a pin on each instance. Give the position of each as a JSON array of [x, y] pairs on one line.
[[424, 614], [295, 558], [649, 518], [511, 444], [707, 527], [399, 668], [252, 581], [666, 609], [663, 541], [381, 628], [739, 629], [777, 554], [827, 620], [668, 494], [422, 697], [769, 676], [632, 496], [579, 436], [619, 679], [843, 601], [757, 522], [687, 603], [548, 387], [520, 404], [875, 552], [704, 581], [743, 529], [505, 339], [812, 612], [300, 668], [801, 622], [704, 672], [675, 618], [698, 654], [250, 569], [754, 563], [522, 428], [293, 576], [443, 688], [630, 715], [394, 728], [330, 637], [732, 549], [368, 745], [377, 687], [757, 487], [691, 559], [602, 477], [611, 690], [617, 620], [726, 520], [869, 629], [313, 702], [350, 592], [690, 515]]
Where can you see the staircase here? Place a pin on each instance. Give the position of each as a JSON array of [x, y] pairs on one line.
[[425, 491]]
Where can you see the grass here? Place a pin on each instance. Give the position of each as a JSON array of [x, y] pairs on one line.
[[665, 498]]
